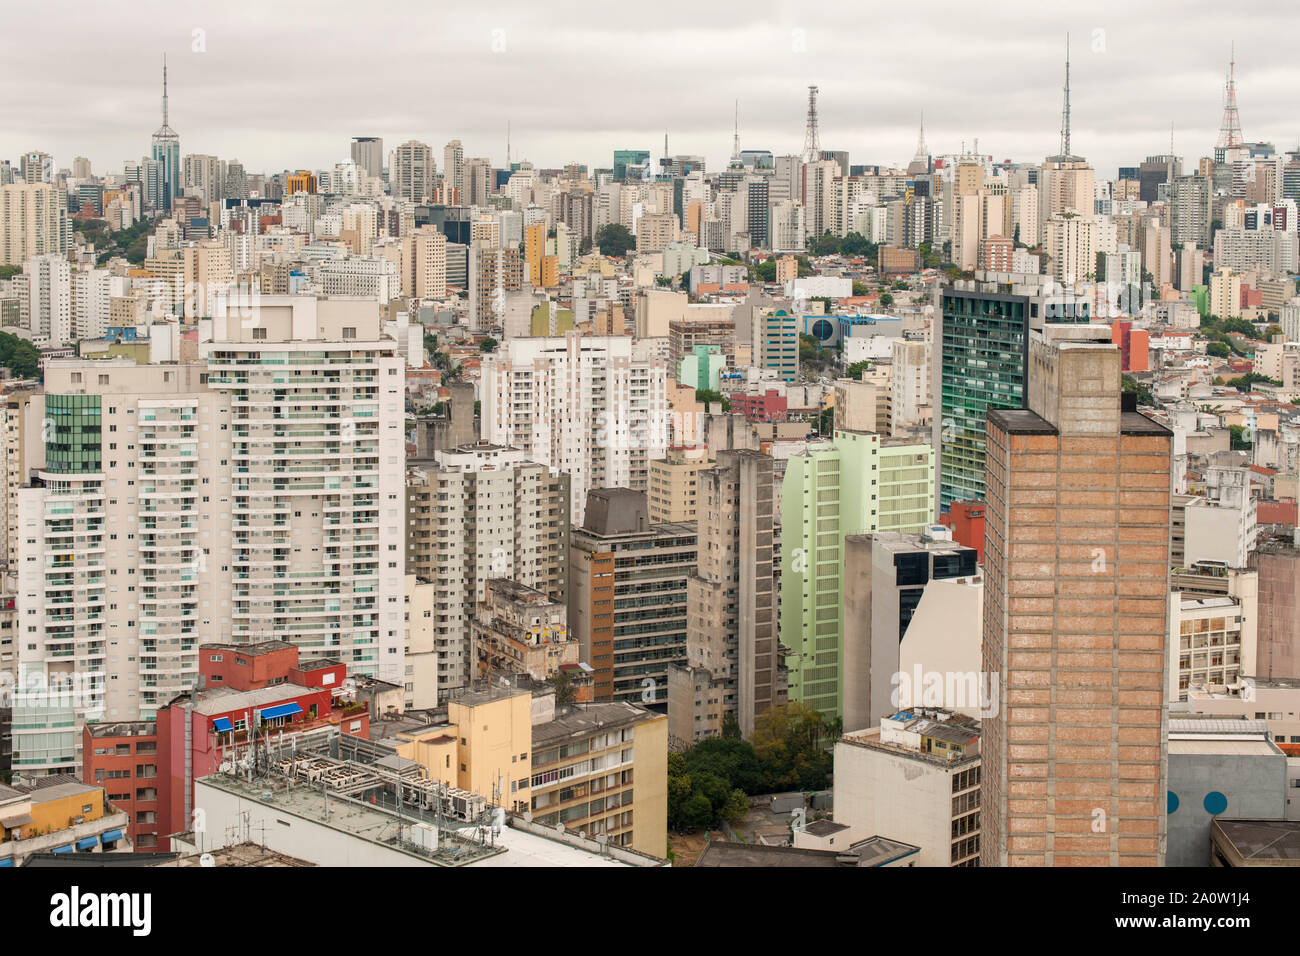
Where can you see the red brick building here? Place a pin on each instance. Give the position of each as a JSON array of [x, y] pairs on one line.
[[148, 768]]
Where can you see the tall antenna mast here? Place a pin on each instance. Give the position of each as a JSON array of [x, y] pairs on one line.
[[812, 149], [735, 136], [1230, 128], [507, 145], [1065, 113], [164, 91]]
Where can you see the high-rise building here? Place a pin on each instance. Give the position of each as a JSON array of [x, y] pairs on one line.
[[424, 263], [1075, 605], [36, 167], [733, 655], [479, 512], [33, 222], [623, 158], [165, 149], [316, 491], [911, 609], [981, 343], [49, 300], [593, 407], [628, 595], [453, 169], [368, 154], [493, 274], [853, 484], [119, 546], [411, 172]]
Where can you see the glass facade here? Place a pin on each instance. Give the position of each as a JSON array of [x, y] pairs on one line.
[[73, 434]]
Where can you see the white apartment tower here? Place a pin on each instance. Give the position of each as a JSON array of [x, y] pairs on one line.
[[593, 407], [317, 459]]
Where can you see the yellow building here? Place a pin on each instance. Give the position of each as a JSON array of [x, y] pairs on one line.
[[302, 181], [484, 746], [600, 769]]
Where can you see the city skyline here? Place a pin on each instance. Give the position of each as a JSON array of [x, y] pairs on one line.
[[870, 102]]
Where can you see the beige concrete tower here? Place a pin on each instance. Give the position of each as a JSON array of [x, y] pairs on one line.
[[1076, 589]]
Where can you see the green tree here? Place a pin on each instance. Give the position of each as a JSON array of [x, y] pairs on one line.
[[489, 344], [615, 239], [19, 356], [706, 396], [1238, 438], [1144, 396], [1218, 349], [566, 688], [825, 245], [857, 368], [886, 300]]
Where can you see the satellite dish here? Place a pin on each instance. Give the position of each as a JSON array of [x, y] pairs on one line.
[[207, 860]]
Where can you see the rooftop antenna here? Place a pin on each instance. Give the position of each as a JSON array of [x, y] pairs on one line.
[[1065, 113], [507, 145], [164, 103], [812, 148]]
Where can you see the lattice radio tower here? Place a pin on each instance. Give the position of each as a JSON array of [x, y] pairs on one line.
[[1230, 128], [812, 149]]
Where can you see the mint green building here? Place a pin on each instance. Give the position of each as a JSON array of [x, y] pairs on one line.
[[702, 368], [854, 484]]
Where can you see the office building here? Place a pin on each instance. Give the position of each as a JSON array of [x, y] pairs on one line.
[[1075, 601], [628, 595]]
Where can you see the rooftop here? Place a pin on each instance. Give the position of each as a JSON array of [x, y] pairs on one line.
[[220, 700], [583, 720], [1262, 841], [250, 650]]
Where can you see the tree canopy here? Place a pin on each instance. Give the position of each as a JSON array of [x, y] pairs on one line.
[[615, 239], [19, 356]]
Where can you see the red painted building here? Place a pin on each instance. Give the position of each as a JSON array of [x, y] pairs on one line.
[[148, 768], [768, 407], [966, 519], [1133, 346]]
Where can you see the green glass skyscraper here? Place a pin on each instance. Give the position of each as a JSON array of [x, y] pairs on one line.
[[982, 345]]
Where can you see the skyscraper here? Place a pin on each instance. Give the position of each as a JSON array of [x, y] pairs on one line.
[[981, 343], [1076, 593], [368, 154], [166, 149], [411, 172]]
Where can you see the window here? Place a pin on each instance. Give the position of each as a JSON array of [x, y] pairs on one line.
[[259, 334], [349, 332]]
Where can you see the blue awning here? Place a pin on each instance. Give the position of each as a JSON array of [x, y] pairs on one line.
[[283, 710], [222, 726], [7, 861], [110, 836], [86, 843], [63, 849]]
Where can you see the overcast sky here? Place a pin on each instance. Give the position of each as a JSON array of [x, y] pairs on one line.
[[287, 84]]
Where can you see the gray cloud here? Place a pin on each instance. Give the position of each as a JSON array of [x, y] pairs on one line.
[[288, 84]]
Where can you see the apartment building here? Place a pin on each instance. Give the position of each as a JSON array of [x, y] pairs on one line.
[[592, 407], [481, 512], [854, 484], [733, 656], [315, 393], [674, 484]]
